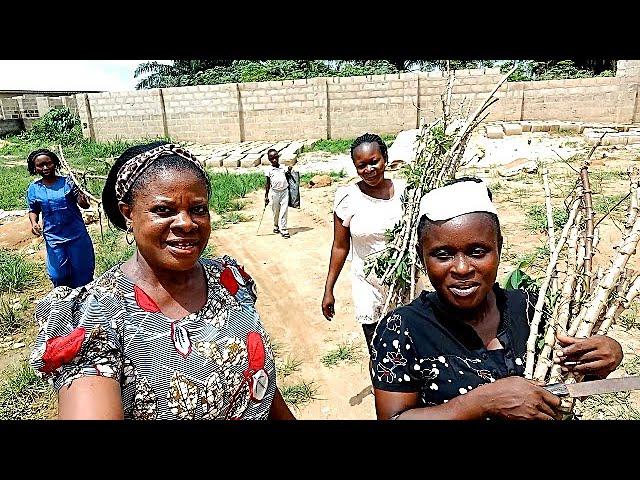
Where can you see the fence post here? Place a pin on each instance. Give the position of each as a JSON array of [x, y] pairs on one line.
[[240, 114], [92, 133], [165, 126]]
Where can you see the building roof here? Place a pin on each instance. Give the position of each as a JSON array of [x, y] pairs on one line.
[[49, 93]]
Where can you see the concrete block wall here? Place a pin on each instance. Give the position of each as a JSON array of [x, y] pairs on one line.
[[628, 68], [470, 89], [608, 99], [285, 109], [373, 103], [344, 107], [204, 113], [30, 107], [10, 108], [134, 114]]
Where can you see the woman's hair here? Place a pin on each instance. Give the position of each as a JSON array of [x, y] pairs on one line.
[[162, 164], [370, 138], [31, 159], [425, 223]]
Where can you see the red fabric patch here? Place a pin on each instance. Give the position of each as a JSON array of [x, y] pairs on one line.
[[255, 351], [228, 281], [144, 301], [61, 350]]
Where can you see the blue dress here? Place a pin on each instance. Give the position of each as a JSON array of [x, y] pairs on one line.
[[70, 256]]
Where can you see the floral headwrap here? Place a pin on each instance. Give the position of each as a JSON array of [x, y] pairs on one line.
[[133, 168]]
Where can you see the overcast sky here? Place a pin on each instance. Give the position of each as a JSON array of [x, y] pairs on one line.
[[106, 75]]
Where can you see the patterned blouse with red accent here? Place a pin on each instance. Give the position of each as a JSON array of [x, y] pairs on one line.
[[216, 363]]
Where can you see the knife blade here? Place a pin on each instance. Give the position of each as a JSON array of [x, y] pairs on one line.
[[595, 387]]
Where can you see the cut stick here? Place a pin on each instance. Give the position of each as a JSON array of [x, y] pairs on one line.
[[611, 316], [588, 232], [604, 288], [535, 322], [560, 317], [550, 226]]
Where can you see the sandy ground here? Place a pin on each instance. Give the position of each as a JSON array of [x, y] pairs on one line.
[[290, 275]]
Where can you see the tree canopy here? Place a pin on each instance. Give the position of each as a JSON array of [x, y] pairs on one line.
[[210, 72]]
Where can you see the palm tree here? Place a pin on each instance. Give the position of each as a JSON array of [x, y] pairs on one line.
[[162, 75]]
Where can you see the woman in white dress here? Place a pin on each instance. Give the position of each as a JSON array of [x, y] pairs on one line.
[[362, 212]]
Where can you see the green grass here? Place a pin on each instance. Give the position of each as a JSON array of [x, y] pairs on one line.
[[227, 188], [604, 203], [601, 175], [563, 132], [85, 149], [331, 146], [496, 186], [632, 365], [84, 154], [14, 181], [531, 258], [616, 406], [306, 177], [299, 394], [537, 218], [610, 406], [16, 272], [229, 218], [289, 366], [276, 347], [11, 322], [208, 252], [110, 251], [344, 352], [629, 319], [24, 395], [343, 145]]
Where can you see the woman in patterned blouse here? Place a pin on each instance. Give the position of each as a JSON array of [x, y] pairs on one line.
[[166, 334], [459, 352]]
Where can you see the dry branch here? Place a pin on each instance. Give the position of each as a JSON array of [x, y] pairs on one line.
[[535, 322], [67, 167], [438, 157]]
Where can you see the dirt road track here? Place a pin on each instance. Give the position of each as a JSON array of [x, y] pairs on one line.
[[290, 275]]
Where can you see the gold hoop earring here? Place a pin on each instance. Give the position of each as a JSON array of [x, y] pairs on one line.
[[126, 235]]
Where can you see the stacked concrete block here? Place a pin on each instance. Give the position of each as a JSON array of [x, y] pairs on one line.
[[289, 154], [279, 146], [495, 131], [526, 126], [512, 128], [539, 127]]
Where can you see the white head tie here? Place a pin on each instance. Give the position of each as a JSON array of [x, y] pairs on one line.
[[456, 199]]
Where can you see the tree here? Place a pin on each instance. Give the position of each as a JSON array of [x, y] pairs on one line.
[[162, 75], [211, 72], [558, 69]]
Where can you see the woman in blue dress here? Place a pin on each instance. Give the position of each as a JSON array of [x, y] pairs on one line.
[[70, 256]]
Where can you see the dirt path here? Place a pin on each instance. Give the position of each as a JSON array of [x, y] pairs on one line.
[[290, 277]]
